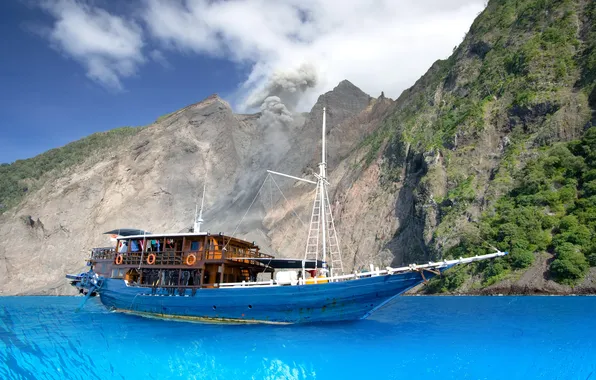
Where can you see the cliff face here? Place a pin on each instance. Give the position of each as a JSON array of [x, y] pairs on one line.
[[460, 140], [423, 177]]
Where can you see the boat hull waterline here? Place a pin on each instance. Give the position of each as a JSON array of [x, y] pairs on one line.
[[333, 301]]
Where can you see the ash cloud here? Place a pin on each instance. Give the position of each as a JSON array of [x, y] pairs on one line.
[[275, 120], [289, 86], [273, 110], [277, 101]]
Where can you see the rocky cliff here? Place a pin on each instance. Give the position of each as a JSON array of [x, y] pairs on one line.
[[448, 169], [475, 148]]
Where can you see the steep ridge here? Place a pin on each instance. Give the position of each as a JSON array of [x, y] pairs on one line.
[[460, 138]]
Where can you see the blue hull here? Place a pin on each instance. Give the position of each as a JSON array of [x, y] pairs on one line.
[[337, 301]]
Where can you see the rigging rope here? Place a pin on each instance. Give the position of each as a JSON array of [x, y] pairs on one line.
[[270, 178], [282, 193]]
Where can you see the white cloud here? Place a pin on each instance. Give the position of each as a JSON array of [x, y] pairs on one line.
[[109, 46], [379, 45]]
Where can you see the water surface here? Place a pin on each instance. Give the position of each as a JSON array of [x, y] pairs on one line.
[[413, 337]]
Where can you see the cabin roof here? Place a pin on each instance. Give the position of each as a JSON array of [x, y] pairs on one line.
[[127, 232], [152, 236]]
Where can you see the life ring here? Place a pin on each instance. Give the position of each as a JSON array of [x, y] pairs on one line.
[[119, 259], [191, 259], [151, 259]]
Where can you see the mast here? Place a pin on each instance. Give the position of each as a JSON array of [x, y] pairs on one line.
[[322, 182], [321, 222], [322, 242]]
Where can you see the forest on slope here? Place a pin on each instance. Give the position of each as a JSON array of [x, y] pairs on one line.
[[496, 147], [23, 176], [551, 208]]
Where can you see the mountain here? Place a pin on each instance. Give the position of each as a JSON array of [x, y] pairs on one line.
[[476, 152], [151, 178], [492, 147]]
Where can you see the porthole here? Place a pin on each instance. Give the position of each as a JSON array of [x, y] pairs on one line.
[[250, 306], [214, 307]]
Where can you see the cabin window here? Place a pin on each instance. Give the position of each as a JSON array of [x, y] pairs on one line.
[[194, 246]]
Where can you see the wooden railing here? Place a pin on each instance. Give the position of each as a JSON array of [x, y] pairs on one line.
[[247, 254], [177, 257], [103, 254]]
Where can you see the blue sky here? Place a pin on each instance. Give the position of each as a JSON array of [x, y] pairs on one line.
[[70, 68], [48, 101]]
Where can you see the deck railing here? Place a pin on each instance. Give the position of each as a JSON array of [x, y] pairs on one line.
[[431, 267], [178, 257]]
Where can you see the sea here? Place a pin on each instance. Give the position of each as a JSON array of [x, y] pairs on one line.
[[423, 337]]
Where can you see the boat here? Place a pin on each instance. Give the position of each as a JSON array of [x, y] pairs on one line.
[[205, 277]]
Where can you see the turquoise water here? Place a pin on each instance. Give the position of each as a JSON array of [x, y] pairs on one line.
[[413, 337]]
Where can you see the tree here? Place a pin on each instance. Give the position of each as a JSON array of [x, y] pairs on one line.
[[570, 265]]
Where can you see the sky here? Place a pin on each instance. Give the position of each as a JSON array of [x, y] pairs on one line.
[[69, 68]]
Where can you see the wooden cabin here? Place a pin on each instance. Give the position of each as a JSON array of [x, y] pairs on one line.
[[180, 260]]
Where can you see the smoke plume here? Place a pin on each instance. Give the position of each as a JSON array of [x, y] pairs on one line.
[[289, 86], [277, 101], [275, 122]]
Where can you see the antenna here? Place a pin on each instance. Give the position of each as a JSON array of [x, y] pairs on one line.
[[323, 148]]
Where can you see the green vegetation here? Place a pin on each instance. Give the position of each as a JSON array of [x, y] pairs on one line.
[[448, 282], [589, 57], [163, 117], [551, 208], [526, 57], [490, 121], [23, 176]]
